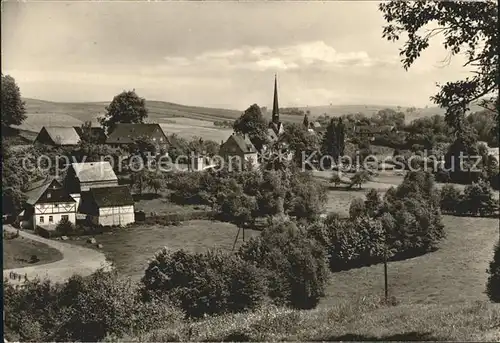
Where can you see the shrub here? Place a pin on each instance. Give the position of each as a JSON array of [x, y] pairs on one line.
[[82, 309], [478, 199], [357, 208], [65, 227], [451, 199], [493, 284], [209, 283], [295, 265]]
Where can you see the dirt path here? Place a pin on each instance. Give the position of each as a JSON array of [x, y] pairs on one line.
[[76, 260]]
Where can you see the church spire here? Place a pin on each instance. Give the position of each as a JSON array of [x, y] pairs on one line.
[[276, 111]]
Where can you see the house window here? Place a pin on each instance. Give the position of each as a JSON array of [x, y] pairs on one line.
[[49, 195], [51, 219], [56, 205], [161, 139], [41, 219], [64, 217]]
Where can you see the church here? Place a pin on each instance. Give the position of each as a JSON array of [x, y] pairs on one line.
[[275, 125]]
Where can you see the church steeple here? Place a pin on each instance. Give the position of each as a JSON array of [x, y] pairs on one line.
[[276, 110]]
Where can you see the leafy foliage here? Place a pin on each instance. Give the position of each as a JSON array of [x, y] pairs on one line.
[[126, 107], [200, 284], [65, 227], [13, 108], [295, 266], [469, 27], [493, 284], [253, 123], [82, 309]]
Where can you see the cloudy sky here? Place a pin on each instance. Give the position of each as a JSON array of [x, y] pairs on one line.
[[222, 54]]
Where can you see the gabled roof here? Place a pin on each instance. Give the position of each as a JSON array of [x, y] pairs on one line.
[[243, 143], [61, 135], [112, 196], [127, 133], [94, 171], [97, 132], [272, 135], [38, 192]]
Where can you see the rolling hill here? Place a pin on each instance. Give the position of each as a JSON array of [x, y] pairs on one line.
[[185, 120]]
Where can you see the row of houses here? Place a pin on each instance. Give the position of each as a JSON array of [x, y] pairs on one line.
[[89, 191], [122, 135]]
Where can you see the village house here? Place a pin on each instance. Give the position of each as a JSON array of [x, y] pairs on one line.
[[97, 133], [47, 204], [123, 135], [81, 177], [370, 131], [57, 136], [108, 206], [239, 146]]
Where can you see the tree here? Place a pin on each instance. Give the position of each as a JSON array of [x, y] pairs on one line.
[[13, 108], [340, 137], [479, 198], [253, 123], [472, 26], [373, 203], [329, 144], [493, 284], [336, 179], [306, 122], [357, 208], [294, 265], [65, 227], [300, 141], [451, 199], [360, 178], [126, 107]]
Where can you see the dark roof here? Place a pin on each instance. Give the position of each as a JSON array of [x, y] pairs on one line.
[[39, 192], [244, 143], [127, 133], [112, 196], [97, 132]]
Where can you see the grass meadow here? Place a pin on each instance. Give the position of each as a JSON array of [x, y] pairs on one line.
[[18, 251]]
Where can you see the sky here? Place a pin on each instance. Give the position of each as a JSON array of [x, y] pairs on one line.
[[217, 54]]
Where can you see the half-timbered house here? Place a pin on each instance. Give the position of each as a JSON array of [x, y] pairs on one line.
[[47, 204]]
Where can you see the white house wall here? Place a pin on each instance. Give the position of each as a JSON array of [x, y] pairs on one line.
[[51, 214]]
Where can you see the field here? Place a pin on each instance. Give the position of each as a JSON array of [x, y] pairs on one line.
[[18, 251], [130, 248], [187, 121]]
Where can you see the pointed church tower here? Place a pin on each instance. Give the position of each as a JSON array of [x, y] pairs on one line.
[[276, 109]]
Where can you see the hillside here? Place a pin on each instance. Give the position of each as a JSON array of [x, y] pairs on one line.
[[185, 120]]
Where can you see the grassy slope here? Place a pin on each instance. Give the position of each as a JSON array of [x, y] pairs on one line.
[[17, 252], [57, 113], [130, 248]]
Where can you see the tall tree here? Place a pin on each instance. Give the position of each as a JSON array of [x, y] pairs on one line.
[[126, 107], [340, 137], [306, 121], [253, 123], [13, 108], [469, 27], [329, 143]]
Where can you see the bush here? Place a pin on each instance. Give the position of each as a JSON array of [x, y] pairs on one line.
[[355, 243], [493, 284], [209, 283], [357, 208], [479, 199], [81, 309], [451, 199], [295, 265], [65, 227]]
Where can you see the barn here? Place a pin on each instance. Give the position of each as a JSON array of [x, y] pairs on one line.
[[108, 206]]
